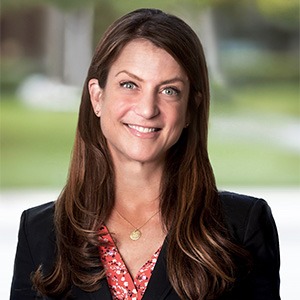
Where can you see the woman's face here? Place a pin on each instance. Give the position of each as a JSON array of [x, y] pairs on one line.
[[143, 107]]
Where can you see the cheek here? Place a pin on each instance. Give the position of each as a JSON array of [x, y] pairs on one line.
[[115, 106], [176, 123], [111, 117], [179, 118], [105, 120]]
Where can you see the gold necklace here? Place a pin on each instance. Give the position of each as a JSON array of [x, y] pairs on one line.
[[136, 233]]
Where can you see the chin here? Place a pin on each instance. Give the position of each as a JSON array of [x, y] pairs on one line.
[[147, 158]]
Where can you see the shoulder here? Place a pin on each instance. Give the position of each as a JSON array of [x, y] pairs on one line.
[[36, 246], [40, 212], [244, 214], [240, 205], [251, 224], [37, 231], [39, 218]]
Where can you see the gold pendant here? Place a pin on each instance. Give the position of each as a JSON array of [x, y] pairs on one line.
[[135, 235]]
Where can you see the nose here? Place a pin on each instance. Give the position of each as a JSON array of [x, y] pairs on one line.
[[147, 106]]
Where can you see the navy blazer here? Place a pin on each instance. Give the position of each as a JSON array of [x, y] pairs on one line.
[[250, 223]]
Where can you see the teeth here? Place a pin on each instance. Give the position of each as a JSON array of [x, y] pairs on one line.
[[142, 129]]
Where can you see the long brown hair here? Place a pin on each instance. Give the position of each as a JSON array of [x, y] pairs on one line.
[[200, 255]]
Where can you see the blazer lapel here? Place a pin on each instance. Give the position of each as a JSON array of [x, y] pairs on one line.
[[103, 293], [159, 285]]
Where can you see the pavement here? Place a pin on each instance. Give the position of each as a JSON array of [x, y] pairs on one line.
[[285, 204]]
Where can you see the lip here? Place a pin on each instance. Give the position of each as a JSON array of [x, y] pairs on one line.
[[143, 131]]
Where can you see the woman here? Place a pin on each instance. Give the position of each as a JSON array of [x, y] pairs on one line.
[[140, 216]]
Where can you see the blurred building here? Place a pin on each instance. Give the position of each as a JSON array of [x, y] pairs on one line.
[[57, 43]]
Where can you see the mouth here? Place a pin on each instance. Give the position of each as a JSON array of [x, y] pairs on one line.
[[142, 129]]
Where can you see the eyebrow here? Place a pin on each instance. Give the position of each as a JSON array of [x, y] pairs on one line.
[[172, 80]]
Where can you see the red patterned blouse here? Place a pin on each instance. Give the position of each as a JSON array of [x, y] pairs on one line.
[[122, 285]]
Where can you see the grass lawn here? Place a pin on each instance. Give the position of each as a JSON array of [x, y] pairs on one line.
[[266, 99], [255, 160], [36, 144], [248, 164]]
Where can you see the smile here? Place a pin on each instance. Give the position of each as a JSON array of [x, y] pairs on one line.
[[143, 129]]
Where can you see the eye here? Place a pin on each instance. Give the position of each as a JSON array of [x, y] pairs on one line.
[[128, 85], [170, 91]]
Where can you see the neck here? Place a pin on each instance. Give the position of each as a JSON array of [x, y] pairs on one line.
[[138, 185]]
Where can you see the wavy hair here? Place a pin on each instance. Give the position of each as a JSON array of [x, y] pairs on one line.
[[200, 255]]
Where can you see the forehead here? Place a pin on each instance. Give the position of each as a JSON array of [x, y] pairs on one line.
[[142, 56]]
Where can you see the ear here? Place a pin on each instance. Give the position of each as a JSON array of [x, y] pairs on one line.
[[187, 119], [95, 95], [198, 99]]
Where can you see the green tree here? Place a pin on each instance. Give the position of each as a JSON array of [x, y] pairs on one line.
[[63, 4], [281, 12]]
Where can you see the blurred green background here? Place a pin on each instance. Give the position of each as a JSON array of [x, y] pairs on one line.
[[252, 49]]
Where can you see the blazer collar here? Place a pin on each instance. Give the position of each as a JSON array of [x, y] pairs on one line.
[[158, 287], [103, 293]]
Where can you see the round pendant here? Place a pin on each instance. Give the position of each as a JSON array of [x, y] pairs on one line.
[[135, 235]]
